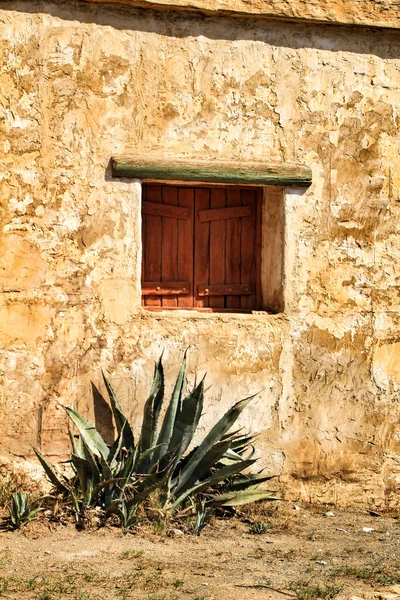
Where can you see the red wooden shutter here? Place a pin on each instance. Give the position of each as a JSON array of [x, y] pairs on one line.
[[167, 233], [228, 231], [201, 247]]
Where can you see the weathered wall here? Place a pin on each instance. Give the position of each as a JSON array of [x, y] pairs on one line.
[[373, 13], [81, 83]]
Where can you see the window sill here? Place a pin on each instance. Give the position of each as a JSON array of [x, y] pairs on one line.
[[208, 313]]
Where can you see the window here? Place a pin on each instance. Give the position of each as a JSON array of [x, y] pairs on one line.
[[201, 247]]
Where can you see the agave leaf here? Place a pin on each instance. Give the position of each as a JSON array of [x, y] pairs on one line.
[[148, 485], [75, 501], [209, 459], [50, 472], [251, 453], [84, 470], [218, 476], [31, 514], [232, 433], [213, 437], [103, 484], [173, 408], [113, 500], [243, 497], [249, 481], [115, 405], [105, 472], [16, 500], [128, 518], [187, 419], [90, 458], [129, 468], [24, 502], [243, 441], [89, 494], [115, 450], [156, 480], [74, 445], [121, 421], [152, 408], [89, 434], [230, 457], [142, 458]]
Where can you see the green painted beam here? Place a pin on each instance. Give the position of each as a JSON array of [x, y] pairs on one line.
[[211, 172]]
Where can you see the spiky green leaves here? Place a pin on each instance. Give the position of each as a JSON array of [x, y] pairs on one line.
[[21, 510], [53, 477], [89, 434], [120, 477], [121, 423]]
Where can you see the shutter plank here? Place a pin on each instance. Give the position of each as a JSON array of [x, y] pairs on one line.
[[152, 244], [165, 210], [201, 246], [233, 248], [218, 214], [226, 289], [165, 288], [186, 245], [169, 242], [258, 305], [247, 268], [217, 245]]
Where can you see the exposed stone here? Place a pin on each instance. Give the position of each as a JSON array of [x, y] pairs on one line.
[[382, 13]]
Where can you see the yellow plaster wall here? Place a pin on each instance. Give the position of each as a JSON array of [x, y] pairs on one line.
[[80, 83]]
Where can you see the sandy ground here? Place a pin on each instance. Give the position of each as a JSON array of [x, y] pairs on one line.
[[303, 554]]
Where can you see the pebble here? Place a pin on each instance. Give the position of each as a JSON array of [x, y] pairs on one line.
[[175, 532]]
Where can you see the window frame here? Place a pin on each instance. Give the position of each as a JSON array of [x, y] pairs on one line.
[[270, 263]]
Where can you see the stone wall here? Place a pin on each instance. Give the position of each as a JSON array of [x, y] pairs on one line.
[[372, 13], [80, 83]]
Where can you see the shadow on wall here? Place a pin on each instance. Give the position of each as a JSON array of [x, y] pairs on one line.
[[332, 38]]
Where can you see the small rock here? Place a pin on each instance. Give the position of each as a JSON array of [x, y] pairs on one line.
[[321, 562], [368, 529], [329, 514], [47, 552], [374, 513], [295, 507], [175, 532]]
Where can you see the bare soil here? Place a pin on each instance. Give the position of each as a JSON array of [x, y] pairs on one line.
[[303, 554]]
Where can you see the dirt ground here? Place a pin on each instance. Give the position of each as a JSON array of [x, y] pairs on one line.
[[305, 552]]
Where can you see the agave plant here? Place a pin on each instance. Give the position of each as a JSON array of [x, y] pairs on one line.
[[120, 477], [21, 510]]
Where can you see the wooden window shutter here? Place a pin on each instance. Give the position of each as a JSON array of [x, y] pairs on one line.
[[201, 247], [227, 248], [167, 233]]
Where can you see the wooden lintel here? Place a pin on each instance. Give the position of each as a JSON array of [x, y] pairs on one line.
[[225, 290], [165, 288], [228, 172]]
